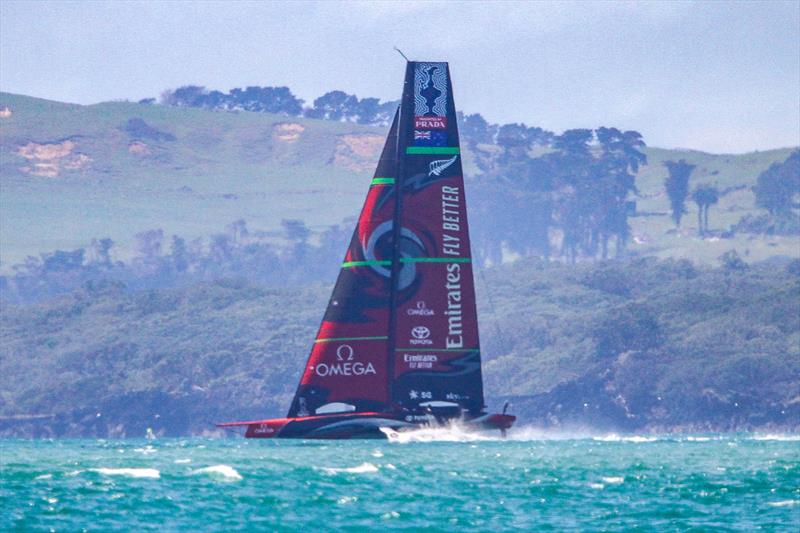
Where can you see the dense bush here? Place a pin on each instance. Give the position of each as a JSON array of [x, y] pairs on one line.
[[643, 344]]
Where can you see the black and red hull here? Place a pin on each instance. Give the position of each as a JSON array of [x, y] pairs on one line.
[[361, 425]]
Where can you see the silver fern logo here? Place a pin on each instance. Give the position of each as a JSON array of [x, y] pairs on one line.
[[435, 168]]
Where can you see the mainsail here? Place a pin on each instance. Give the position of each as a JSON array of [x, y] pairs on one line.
[[400, 331]]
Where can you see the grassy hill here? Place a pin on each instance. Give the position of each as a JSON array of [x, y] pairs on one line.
[[71, 173], [87, 176], [642, 344]]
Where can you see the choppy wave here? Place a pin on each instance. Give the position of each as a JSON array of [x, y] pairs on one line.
[[145, 450], [222, 472], [536, 484], [363, 468], [777, 436], [613, 437], [130, 472], [784, 503]]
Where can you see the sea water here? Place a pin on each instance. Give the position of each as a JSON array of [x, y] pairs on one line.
[[434, 480]]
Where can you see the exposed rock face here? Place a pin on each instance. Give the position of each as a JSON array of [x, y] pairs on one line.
[[46, 151], [138, 148], [48, 159], [287, 131], [357, 151]]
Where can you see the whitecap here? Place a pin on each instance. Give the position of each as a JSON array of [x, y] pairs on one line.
[[44, 476], [784, 503], [698, 439], [224, 472], [596, 486], [533, 433], [363, 468], [778, 437], [131, 472], [377, 453], [613, 437], [346, 499], [613, 480], [182, 461], [146, 450]]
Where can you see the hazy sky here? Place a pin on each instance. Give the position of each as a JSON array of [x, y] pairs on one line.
[[716, 76]]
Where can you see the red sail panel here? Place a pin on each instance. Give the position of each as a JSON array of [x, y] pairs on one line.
[[436, 344], [348, 367]]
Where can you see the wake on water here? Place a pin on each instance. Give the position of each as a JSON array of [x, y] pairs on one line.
[[457, 432]]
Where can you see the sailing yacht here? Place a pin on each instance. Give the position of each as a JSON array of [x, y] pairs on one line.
[[398, 347]]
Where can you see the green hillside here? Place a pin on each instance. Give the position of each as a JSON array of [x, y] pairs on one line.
[[71, 173], [643, 344], [87, 177]]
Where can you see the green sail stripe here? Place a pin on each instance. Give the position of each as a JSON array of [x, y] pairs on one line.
[[336, 339], [435, 260], [350, 264], [382, 181], [433, 150]]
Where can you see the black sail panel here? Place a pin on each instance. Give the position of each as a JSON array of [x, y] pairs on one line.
[[348, 368]]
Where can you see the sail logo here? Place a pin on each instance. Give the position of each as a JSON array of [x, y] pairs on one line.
[[430, 89], [421, 332], [420, 361], [344, 352], [345, 365], [430, 123], [455, 329], [435, 168], [420, 310], [451, 221], [420, 335], [430, 138]]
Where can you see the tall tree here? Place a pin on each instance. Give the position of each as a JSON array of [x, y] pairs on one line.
[[334, 105], [475, 129], [571, 162], [614, 177], [704, 196], [777, 187], [677, 185], [186, 96], [101, 249]]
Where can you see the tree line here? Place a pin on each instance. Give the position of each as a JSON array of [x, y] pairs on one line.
[[159, 260], [333, 105], [777, 190], [576, 194]]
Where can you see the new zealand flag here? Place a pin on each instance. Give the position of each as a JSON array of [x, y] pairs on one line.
[[430, 138]]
